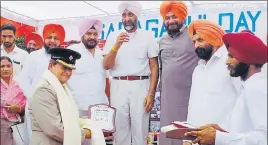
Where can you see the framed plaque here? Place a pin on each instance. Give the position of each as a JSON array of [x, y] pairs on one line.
[[104, 116]]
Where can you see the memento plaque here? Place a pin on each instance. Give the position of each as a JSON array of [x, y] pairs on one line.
[[104, 116]]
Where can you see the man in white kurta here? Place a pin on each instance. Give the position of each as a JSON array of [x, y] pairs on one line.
[[132, 60], [248, 121], [36, 64], [8, 48], [89, 79], [211, 82]]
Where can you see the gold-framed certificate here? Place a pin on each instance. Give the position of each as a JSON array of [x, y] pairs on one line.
[[104, 116]]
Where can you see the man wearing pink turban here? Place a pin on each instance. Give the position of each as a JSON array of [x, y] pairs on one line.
[[90, 24], [88, 82]]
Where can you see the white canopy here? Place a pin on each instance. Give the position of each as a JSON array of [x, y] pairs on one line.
[[32, 12]]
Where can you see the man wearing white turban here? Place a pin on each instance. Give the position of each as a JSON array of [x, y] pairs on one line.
[[87, 83], [132, 6], [131, 58]]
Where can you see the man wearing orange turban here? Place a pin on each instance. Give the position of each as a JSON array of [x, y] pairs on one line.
[[178, 8], [211, 83], [33, 42], [53, 35], [37, 63], [247, 123], [209, 31], [177, 61]]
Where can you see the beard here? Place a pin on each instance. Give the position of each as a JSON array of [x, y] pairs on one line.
[[90, 43], [204, 53], [8, 44], [30, 49], [173, 28], [48, 47], [240, 70], [130, 25]]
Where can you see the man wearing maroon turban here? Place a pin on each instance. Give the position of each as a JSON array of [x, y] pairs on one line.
[[177, 62], [248, 122]]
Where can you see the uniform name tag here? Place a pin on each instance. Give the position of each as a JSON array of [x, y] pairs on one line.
[[16, 62]]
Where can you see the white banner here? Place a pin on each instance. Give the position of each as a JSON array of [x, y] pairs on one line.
[[233, 18]]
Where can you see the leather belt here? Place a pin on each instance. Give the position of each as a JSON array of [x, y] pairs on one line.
[[131, 78]]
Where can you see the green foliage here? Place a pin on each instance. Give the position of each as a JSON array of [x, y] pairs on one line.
[[20, 43]]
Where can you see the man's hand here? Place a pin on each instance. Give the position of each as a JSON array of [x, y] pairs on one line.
[[205, 136], [88, 133], [149, 103], [123, 37], [187, 143], [215, 126], [13, 108]]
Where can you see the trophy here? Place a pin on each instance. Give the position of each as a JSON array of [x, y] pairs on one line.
[[104, 116]]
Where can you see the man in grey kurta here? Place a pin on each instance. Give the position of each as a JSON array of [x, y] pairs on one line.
[[46, 116], [178, 60]]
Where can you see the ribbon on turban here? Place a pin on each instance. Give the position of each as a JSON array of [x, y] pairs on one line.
[[36, 37], [133, 6], [89, 24], [178, 8], [54, 28], [207, 30], [246, 47]]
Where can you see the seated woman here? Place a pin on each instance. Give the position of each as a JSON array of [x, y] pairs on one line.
[[13, 102]]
